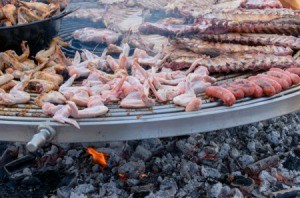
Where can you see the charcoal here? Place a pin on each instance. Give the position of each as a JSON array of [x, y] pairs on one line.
[[215, 190], [234, 153], [141, 153], [153, 145], [210, 172], [132, 182], [68, 160], [224, 151], [235, 192], [251, 146], [274, 137], [110, 189], [267, 180], [168, 188], [64, 192], [243, 183], [143, 188], [132, 169], [74, 153], [256, 160], [53, 150], [246, 160]]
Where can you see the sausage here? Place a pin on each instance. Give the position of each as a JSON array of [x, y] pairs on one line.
[[274, 83], [221, 93], [284, 84], [258, 91], [237, 92], [294, 70], [267, 88], [246, 86], [295, 78], [280, 75]]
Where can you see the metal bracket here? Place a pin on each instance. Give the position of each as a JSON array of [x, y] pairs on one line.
[[45, 134]]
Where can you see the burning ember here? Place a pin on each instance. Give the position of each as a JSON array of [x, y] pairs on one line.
[[122, 176], [98, 157]]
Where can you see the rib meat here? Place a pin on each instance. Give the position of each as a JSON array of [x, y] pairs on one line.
[[270, 27], [173, 30], [243, 62], [262, 4], [243, 15], [255, 39], [203, 47]]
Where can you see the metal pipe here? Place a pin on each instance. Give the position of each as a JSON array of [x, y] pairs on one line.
[[45, 134]]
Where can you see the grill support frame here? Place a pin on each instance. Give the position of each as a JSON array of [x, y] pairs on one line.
[[154, 126]]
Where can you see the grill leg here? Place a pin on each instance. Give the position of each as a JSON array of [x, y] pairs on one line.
[[44, 134]]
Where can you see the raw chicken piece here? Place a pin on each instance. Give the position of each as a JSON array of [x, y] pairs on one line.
[[5, 79], [95, 108], [80, 97], [137, 99], [16, 94], [137, 95], [188, 99], [114, 94], [53, 97], [61, 113]]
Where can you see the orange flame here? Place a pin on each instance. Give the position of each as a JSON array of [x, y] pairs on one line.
[[98, 157]]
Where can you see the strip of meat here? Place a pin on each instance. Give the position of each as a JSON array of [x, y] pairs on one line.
[[283, 83], [267, 87], [221, 93], [266, 27], [173, 30], [90, 34], [255, 39], [192, 8], [203, 47], [254, 15], [262, 4], [294, 70], [236, 62], [295, 78], [274, 83], [250, 88], [240, 62]]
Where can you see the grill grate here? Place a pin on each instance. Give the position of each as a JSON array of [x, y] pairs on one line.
[[27, 111]]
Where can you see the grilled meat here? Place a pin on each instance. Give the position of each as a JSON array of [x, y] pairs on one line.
[[241, 62], [203, 47], [255, 39], [262, 4], [265, 15], [90, 34], [276, 26], [10, 12], [173, 30]]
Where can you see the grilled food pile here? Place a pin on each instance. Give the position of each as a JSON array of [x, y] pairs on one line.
[[169, 60], [16, 12], [21, 75]]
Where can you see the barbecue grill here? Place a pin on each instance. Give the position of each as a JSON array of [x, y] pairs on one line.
[[28, 123]]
